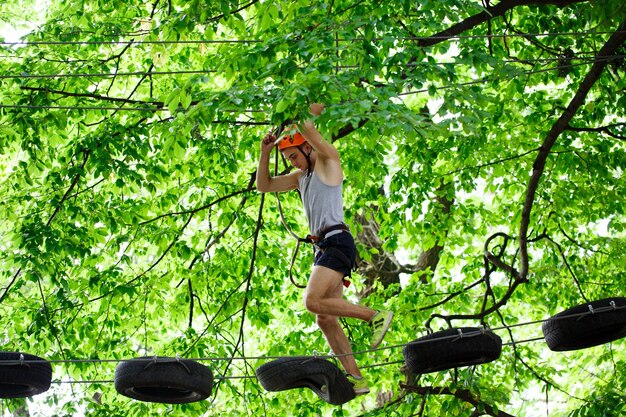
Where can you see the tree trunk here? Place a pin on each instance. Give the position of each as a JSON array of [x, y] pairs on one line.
[[384, 267]]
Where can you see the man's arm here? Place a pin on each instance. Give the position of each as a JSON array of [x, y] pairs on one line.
[[328, 165], [324, 149], [264, 181]]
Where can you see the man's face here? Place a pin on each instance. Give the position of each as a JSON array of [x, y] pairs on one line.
[[295, 157]]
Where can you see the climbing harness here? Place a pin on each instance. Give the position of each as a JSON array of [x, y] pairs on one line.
[[319, 243], [316, 241]]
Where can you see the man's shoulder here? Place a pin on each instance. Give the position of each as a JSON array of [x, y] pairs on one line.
[[296, 175]]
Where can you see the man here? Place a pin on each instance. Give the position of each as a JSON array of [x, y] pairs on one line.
[[319, 178]]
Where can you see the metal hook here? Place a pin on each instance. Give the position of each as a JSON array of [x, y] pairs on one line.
[[151, 362], [459, 335]]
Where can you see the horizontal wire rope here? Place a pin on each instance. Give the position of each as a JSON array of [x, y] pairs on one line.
[[460, 335], [217, 377], [107, 74], [443, 87], [519, 74], [376, 365], [139, 109], [315, 355], [356, 39], [587, 59]]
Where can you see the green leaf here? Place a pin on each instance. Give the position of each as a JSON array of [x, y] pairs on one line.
[[173, 100]]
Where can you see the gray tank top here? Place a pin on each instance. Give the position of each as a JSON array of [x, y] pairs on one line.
[[323, 204]]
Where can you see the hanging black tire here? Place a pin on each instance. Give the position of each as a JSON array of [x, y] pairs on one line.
[[581, 327], [307, 372], [163, 380], [449, 349], [23, 375]]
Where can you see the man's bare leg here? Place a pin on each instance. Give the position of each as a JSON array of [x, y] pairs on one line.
[[338, 342], [324, 298], [321, 296]]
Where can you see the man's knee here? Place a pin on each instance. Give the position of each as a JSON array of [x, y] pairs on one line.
[[312, 304], [325, 321]]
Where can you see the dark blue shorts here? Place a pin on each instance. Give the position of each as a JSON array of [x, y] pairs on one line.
[[342, 242]]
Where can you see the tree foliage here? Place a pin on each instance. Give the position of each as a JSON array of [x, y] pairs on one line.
[[484, 151]]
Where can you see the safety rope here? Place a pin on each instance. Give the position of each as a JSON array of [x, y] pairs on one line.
[[600, 310], [315, 355], [298, 239]]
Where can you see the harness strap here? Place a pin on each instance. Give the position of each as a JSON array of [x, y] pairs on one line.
[[323, 233], [336, 252], [342, 256]]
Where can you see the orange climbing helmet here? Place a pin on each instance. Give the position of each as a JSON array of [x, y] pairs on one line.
[[294, 138]]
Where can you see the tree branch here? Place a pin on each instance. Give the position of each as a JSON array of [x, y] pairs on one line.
[[158, 104], [221, 16], [210, 323], [246, 299], [491, 163], [602, 129], [151, 267], [610, 47], [490, 259], [569, 267], [67, 195], [461, 394], [505, 298], [451, 296], [213, 241], [489, 13]]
